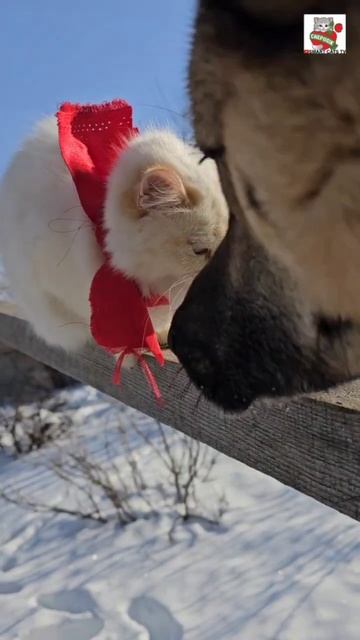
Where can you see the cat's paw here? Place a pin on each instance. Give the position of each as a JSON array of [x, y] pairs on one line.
[[129, 362], [162, 336]]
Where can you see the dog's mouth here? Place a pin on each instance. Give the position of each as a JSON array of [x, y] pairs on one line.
[[261, 363], [241, 340]]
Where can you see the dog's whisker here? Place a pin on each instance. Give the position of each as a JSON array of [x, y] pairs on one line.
[[198, 401]]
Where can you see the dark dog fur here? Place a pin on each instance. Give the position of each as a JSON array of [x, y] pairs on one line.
[[277, 311]]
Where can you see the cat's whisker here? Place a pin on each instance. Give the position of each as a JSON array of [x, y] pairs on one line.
[[174, 297], [74, 323], [76, 206], [70, 225], [180, 283], [166, 293], [144, 332], [173, 301], [83, 225], [161, 108], [69, 247]]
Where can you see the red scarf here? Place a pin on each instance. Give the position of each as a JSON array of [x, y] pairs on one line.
[[91, 137]]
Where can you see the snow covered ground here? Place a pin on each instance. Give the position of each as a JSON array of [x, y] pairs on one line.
[[278, 567], [5, 294]]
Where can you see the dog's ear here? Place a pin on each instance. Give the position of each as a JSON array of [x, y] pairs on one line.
[[161, 190]]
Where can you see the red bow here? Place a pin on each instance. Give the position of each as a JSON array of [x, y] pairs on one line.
[[91, 137]]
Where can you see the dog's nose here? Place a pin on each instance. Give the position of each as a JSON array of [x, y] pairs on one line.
[[193, 352], [171, 339], [200, 359]]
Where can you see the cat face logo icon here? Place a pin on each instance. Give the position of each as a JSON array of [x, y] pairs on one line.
[[324, 34]]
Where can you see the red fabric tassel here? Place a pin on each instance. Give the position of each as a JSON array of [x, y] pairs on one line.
[[145, 367]]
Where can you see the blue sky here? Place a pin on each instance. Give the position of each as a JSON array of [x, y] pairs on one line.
[[91, 51]]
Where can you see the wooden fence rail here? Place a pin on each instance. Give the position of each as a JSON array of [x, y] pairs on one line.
[[310, 444]]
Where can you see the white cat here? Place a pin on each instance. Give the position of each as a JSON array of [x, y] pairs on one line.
[[323, 24], [164, 215]]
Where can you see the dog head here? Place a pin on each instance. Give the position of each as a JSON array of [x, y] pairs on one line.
[[277, 310]]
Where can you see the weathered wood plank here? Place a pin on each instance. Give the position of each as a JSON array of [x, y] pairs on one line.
[[311, 445]]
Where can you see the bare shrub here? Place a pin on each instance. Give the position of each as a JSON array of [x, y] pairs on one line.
[[188, 464], [25, 502], [103, 487], [31, 427]]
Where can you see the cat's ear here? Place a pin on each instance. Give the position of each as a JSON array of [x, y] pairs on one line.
[[161, 189]]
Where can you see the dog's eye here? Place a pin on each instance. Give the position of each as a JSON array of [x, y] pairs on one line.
[[213, 153], [333, 328]]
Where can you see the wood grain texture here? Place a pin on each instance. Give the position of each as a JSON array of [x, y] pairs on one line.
[[308, 444]]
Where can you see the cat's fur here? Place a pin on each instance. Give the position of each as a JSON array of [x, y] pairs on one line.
[[162, 208]]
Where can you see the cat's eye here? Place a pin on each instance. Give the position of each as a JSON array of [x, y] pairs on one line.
[[202, 252]]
